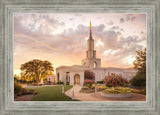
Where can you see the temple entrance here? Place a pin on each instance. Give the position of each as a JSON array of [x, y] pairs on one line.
[[76, 79]]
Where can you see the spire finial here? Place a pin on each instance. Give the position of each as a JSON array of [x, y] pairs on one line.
[[90, 36]]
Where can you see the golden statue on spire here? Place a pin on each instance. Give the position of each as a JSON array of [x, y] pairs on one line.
[[90, 36]]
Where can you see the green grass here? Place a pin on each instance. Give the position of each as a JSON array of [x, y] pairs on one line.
[[51, 93]]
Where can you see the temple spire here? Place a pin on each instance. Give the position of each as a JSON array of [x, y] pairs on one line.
[[90, 35]]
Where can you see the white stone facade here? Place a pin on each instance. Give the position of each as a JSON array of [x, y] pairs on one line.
[[75, 74]]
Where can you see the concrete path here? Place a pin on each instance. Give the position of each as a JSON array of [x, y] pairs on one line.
[[97, 97], [81, 96]]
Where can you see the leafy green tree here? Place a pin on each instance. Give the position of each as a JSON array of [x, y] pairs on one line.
[[140, 62], [139, 79], [36, 69], [140, 65]]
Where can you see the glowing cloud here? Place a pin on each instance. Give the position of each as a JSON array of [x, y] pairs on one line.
[[62, 38]]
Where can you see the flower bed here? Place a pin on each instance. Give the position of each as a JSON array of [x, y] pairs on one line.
[[100, 87], [88, 83], [119, 92], [116, 91], [116, 95]]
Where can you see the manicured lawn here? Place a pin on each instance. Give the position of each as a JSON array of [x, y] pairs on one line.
[[51, 93]]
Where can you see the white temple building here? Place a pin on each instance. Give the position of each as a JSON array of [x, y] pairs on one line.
[[75, 74]]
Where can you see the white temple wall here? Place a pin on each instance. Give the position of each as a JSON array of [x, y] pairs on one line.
[[81, 78], [72, 78], [99, 74]]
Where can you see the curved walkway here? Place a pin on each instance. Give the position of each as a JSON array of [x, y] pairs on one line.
[[97, 97]]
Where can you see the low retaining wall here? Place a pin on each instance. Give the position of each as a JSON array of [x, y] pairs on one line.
[[116, 95]]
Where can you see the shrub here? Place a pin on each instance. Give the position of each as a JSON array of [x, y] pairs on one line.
[[143, 91], [59, 82], [54, 83], [88, 82], [139, 79], [117, 91], [18, 90], [49, 82], [24, 91], [93, 85], [100, 82], [67, 83], [124, 90], [89, 75], [85, 88], [114, 80], [101, 87], [17, 87]]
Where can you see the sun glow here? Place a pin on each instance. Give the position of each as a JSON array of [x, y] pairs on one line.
[[99, 43], [17, 72], [130, 59]]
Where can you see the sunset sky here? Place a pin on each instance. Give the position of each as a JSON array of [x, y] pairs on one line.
[[62, 38]]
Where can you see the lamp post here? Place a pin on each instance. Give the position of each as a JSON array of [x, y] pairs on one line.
[[63, 89], [72, 94], [95, 89]]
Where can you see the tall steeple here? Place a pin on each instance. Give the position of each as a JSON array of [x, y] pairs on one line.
[[90, 51], [91, 60]]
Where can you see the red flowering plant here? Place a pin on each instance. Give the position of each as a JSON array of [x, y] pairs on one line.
[[89, 75], [88, 82], [114, 80]]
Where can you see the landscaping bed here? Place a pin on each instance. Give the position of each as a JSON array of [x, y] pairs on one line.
[[111, 90], [19, 91], [116, 95], [123, 90]]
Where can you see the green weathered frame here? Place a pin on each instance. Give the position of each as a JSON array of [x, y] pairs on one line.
[[7, 10]]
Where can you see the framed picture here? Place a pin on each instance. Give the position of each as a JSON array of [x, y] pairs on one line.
[[80, 57]]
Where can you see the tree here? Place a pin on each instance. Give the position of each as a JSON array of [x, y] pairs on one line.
[[140, 62], [16, 77], [36, 69], [140, 65]]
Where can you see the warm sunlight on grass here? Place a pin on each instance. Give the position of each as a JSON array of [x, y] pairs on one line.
[[51, 93]]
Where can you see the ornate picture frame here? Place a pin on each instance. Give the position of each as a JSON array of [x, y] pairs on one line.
[[7, 104]]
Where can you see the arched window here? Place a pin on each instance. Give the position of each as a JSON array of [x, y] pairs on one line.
[[77, 79], [84, 63], [57, 76], [95, 64], [67, 76]]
